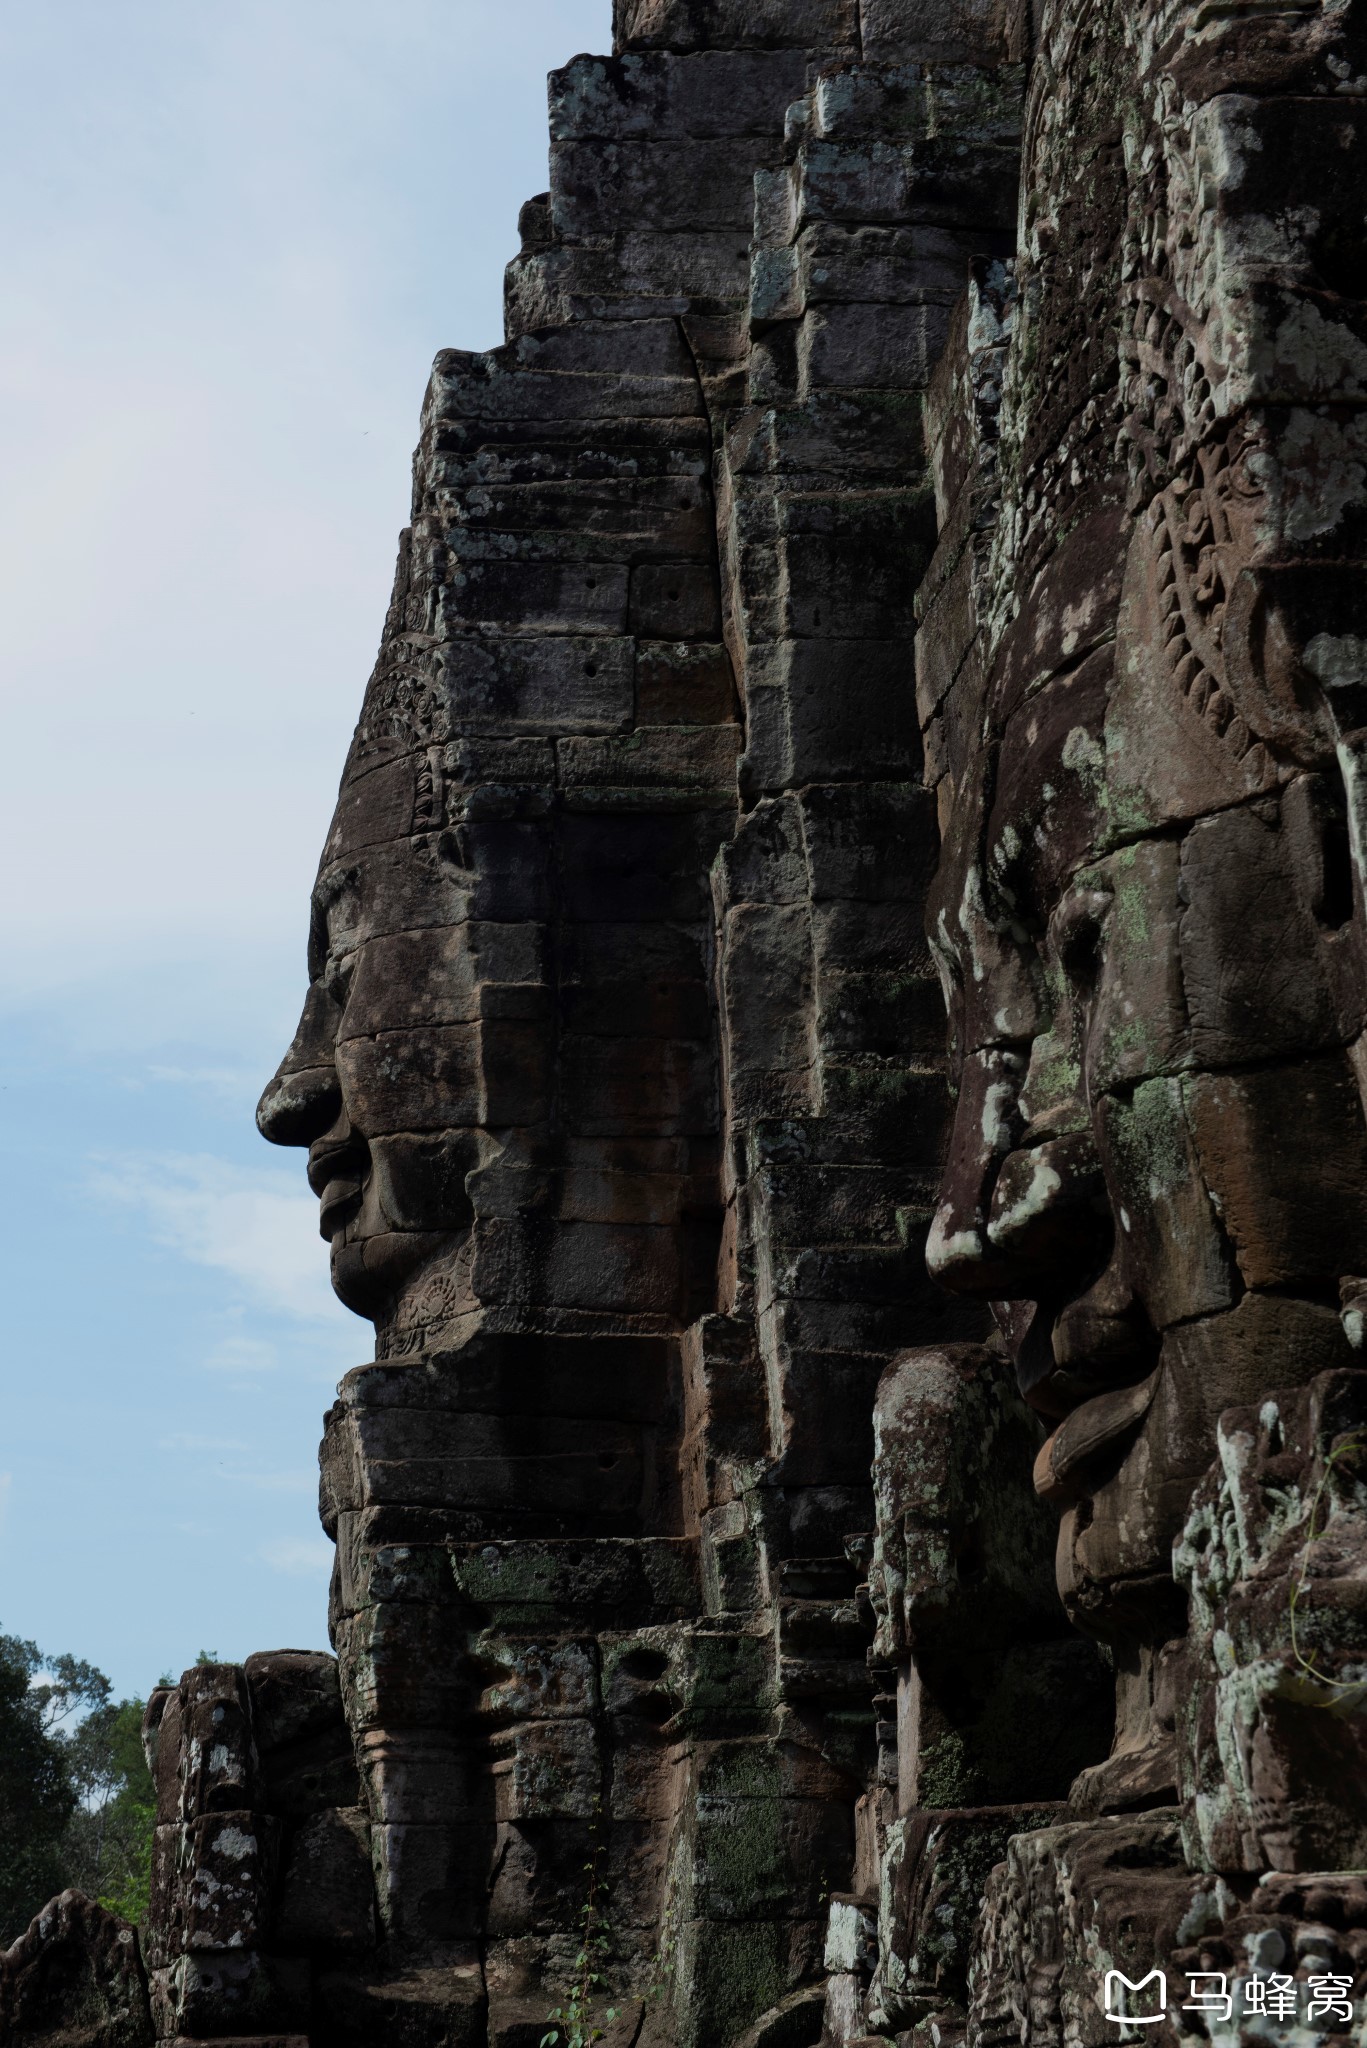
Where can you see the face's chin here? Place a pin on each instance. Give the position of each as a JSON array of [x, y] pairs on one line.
[[369, 1272]]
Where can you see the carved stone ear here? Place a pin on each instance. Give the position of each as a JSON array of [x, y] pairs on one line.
[[1173, 750], [375, 808], [1270, 651]]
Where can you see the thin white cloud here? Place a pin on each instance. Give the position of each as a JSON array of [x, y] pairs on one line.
[[275, 1482], [258, 1225], [185, 1440], [242, 1356], [219, 1081], [299, 1556], [232, 213]]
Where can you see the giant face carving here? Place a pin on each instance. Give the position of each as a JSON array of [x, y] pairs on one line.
[[1150, 922], [1150, 906], [424, 1023]]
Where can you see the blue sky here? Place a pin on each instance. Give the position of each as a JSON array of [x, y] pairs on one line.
[[236, 235]]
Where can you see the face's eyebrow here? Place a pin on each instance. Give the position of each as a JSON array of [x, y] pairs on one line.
[[318, 939], [329, 890]]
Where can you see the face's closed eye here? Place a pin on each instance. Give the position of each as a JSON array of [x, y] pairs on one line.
[[334, 919], [338, 972]]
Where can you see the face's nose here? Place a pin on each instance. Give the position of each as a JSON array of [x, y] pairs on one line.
[[1049, 1216], [1017, 1220], [987, 1127], [304, 1099]]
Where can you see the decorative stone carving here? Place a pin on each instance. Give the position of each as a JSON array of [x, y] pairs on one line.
[[621, 1094], [1270, 1725], [1148, 907], [1149, 917]]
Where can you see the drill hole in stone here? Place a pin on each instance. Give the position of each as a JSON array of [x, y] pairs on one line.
[[647, 1665]]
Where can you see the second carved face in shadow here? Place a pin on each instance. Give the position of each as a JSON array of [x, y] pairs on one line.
[[1149, 921]]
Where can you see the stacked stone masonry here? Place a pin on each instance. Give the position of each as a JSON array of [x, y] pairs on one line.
[[863, 1540]]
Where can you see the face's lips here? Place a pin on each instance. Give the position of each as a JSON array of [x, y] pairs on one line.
[[337, 1171], [337, 1204]]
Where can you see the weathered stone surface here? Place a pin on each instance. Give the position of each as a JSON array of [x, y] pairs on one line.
[[1270, 1727], [326, 1897], [75, 1980], [906, 556], [1148, 917]]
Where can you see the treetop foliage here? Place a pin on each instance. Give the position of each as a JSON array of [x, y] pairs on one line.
[[76, 1799]]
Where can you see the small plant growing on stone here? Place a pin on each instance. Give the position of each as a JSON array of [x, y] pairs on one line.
[[575, 2024], [1349, 1452], [666, 1960]]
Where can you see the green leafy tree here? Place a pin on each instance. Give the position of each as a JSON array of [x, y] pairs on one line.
[[37, 1797], [76, 1798], [108, 1841]]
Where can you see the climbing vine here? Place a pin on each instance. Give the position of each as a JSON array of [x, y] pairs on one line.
[[1356, 1441], [573, 2023]]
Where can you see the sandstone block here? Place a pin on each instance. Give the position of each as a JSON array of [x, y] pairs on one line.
[[1173, 1234], [657, 758], [728, 24], [679, 682], [1307, 1222], [553, 1772], [217, 1753], [75, 1976], [564, 682], [303, 1744], [718, 92], [547, 597], [679, 186], [441, 2007], [327, 1893]]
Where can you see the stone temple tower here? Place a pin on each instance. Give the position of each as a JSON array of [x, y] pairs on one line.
[[833, 1062]]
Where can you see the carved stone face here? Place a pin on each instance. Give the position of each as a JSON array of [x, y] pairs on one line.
[[1150, 906], [1019, 904], [394, 1077], [1151, 932]]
